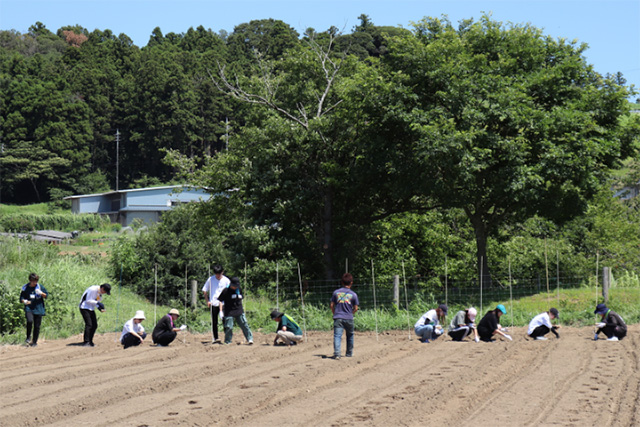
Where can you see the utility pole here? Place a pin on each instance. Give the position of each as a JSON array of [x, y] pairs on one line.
[[117, 157], [226, 136]]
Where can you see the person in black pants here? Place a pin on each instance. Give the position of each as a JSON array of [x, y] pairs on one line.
[[165, 331], [88, 303], [490, 324], [32, 296], [612, 325]]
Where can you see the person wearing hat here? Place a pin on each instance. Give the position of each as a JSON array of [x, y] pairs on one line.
[[133, 333], [88, 303], [541, 325], [288, 330], [211, 290], [344, 304], [32, 296], [462, 324], [428, 327], [490, 324], [231, 306], [165, 330], [612, 325]]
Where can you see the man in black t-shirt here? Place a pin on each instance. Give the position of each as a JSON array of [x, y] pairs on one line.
[[231, 307]]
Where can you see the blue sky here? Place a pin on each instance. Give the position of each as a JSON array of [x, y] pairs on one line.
[[611, 28]]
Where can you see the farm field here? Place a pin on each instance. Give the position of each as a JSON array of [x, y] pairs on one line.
[[390, 381]]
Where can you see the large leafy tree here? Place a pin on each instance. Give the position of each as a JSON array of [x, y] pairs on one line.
[[505, 122]]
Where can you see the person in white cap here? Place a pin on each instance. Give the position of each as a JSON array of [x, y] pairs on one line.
[[462, 324], [133, 333], [165, 331]]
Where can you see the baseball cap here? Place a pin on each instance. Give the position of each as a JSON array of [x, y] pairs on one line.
[[554, 311], [444, 308], [106, 287], [275, 314], [234, 281], [502, 309], [600, 309]]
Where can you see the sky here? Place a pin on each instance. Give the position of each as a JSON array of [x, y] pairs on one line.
[[611, 28]]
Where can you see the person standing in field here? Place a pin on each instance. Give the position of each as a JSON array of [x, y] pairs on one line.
[[541, 325], [88, 303], [165, 330], [490, 324], [428, 327], [211, 290], [288, 330], [462, 324], [612, 325], [32, 296], [231, 306], [344, 304], [133, 333]]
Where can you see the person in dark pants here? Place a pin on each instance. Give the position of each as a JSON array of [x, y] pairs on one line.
[[462, 324], [344, 304], [541, 325], [231, 306], [165, 331], [612, 325], [490, 324], [32, 296], [211, 290], [88, 303], [133, 333]]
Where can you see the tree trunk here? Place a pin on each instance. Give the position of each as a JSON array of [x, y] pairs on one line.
[[35, 188], [481, 232]]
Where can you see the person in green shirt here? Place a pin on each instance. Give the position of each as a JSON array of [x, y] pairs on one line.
[[288, 330], [32, 296]]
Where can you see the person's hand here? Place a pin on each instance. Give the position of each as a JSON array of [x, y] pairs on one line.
[[221, 314], [27, 302], [208, 303], [477, 339], [601, 324], [183, 327], [39, 292], [141, 339], [508, 337]]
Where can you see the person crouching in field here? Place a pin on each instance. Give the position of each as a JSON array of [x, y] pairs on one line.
[[541, 325], [32, 296], [165, 330], [231, 306], [288, 330], [133, 333], [490, 324], [344, 304], [612, 325], [428, 327], [462, 324], [88, 303]]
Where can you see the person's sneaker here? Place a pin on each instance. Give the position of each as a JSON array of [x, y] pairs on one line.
[[541, 338], [33, 344], [613, 339], [349, 355], [425, 341], [217, 341], [88, 344], [250, 342], [27, 341], [335, 357]]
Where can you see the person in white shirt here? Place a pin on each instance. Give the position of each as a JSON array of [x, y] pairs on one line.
[[428, 327], [88, 303], [541, 325], [211, 290], [133, 333]]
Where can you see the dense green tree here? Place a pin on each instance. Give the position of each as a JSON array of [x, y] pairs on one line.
[[505, 122]]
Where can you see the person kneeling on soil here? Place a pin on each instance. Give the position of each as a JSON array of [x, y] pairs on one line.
[[611, 325], [490, 325], [428, 326], [288, 330], [133, 333], [165, 331], [462, 324], [231, 306], [541, 325]]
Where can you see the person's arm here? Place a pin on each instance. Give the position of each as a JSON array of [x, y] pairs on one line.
[[333, 308], [355, 308]]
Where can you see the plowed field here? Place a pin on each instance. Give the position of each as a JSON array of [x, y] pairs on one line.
[[390, 381]]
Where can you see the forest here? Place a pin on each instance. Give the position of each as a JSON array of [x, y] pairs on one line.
[[471, 142]]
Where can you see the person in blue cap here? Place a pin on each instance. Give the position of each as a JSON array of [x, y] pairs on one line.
[[611, 325], [490, 324]]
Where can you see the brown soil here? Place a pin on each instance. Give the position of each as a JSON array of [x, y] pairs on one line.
[[390, 381]]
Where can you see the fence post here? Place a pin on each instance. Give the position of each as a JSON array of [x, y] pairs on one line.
[[194, 293], [396, 290], [606, 282]]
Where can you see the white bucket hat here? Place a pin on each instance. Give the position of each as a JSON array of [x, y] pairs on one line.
[[139, 315]]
